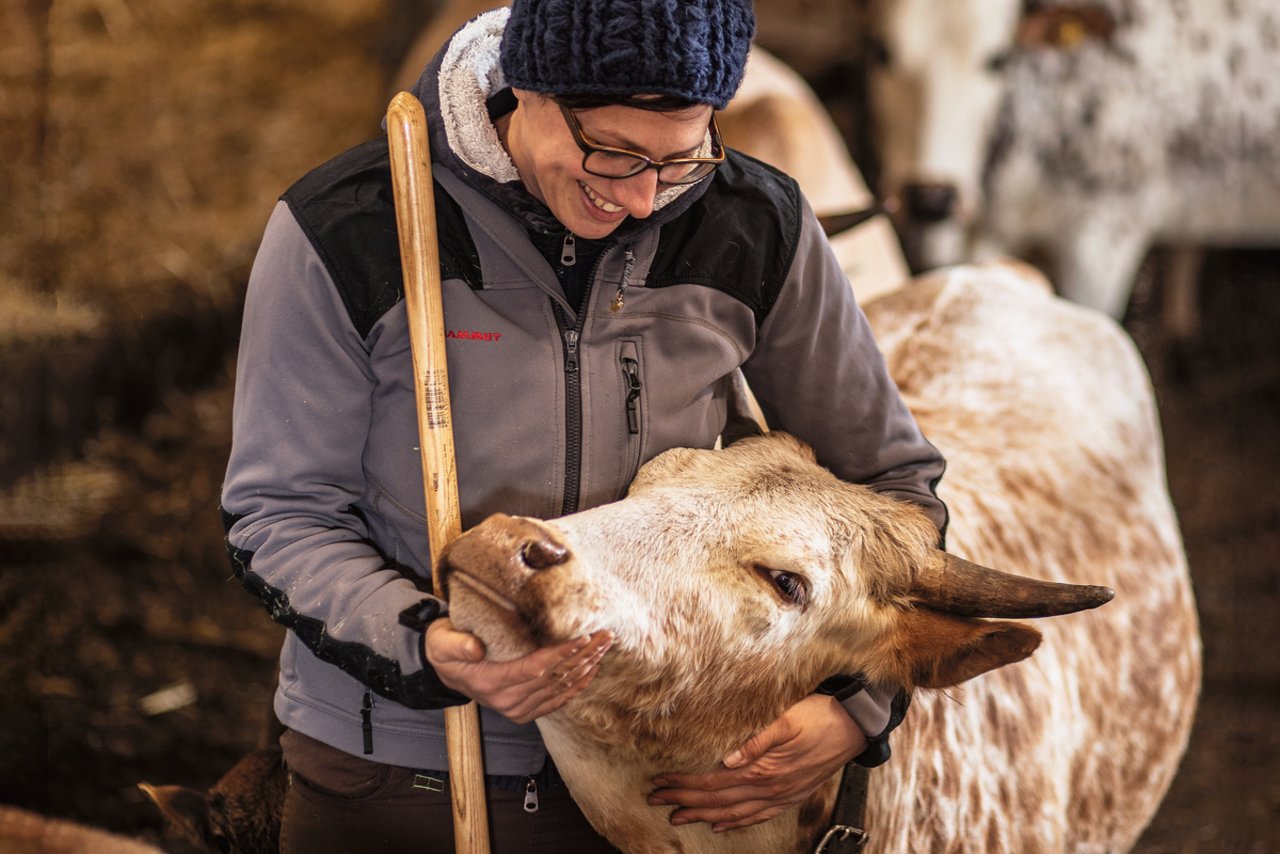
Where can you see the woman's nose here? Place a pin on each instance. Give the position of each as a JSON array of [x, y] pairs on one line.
[[637, 193]]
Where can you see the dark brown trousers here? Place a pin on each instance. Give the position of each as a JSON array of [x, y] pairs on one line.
[[341, 803]]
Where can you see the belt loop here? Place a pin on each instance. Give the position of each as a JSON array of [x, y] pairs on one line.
[[428, 783]]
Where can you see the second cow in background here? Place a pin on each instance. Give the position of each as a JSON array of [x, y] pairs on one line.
[[1080, 134]]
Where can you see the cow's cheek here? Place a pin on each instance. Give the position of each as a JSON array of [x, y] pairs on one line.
[[754, 620], [570, 602], [505, 633]]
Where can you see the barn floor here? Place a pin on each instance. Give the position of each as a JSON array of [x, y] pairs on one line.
[[1222, 440], [145, 602]]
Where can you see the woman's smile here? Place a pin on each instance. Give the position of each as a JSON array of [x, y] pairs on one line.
[[600, 207]]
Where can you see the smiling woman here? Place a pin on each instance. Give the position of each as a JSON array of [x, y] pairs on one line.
[[621, 267]]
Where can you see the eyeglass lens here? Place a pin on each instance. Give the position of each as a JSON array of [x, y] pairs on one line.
[[612, 164]]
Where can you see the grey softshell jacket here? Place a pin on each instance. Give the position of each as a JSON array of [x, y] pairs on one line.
[[323, 498]]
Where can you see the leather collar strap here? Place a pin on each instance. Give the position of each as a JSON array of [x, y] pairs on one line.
[[847, 833]]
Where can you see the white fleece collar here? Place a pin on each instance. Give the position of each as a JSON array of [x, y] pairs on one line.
[[469, 74]]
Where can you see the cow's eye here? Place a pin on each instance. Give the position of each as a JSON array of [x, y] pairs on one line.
[[791, 586], [998, 62], [877, 55]]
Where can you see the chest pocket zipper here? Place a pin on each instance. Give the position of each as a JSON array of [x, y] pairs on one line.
[[629, 361]]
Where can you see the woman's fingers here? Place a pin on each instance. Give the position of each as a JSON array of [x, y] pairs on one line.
[[571, 667], [521, 689], [597, 644], [549, 700], [561, 684]]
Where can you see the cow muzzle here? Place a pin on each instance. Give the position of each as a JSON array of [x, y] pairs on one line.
[[497, 579], [500, 553], [929, 202]]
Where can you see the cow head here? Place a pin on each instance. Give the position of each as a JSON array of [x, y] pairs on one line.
[[240, 813], [734, 582], [940, 74]]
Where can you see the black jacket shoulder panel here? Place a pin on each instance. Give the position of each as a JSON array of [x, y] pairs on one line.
[[740, 237], [347, 210]]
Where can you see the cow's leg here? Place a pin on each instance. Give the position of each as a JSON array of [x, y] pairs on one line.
[[1096, 265], [1180, 298]]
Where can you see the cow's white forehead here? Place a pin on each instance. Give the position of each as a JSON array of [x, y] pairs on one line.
[[917, 31]]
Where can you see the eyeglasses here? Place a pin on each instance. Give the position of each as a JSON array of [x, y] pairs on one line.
[[608, 162]]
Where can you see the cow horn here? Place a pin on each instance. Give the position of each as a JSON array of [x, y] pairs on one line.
[[956, 586], [741, 421]]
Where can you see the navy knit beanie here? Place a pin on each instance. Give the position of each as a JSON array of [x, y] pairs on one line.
[[694, 49]]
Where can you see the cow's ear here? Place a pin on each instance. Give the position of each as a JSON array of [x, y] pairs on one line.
[[743, 417], [1065, 26], [939, 650], [183, 809]]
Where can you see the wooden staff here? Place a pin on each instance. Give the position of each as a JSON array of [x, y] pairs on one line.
[[420, 259]]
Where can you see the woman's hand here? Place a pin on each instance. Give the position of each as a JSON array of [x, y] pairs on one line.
[[776, 769], [522, 689]]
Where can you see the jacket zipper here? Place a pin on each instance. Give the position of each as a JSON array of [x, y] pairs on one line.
[[630, 362], [569, 250], [631, 371], [572, 412], [572, 335], [366, 722], [530, 795]]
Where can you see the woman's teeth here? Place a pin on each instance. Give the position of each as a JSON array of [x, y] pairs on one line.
[[607, 207]]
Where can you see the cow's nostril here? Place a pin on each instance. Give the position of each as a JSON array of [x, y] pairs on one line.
[[543, 554], [929, 202]]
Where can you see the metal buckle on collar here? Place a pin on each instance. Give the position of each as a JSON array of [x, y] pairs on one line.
[[839, 833]]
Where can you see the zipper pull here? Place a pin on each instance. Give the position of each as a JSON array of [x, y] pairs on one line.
[[620, 298], [631, 370], [571, 350], [366, 722], [531, 795], [569, 251]]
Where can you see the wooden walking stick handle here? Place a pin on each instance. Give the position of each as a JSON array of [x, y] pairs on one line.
[[420, 260]]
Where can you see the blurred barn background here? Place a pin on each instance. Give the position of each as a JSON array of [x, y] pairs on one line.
[[145, 142]]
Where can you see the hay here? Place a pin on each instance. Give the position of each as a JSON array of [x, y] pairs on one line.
[[27, 316], [146, 143], [172, 128]]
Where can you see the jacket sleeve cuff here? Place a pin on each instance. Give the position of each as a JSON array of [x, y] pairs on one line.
[[418, 617], [877, 711]]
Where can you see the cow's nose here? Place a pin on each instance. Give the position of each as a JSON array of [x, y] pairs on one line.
[[542, 553], [929, 202]]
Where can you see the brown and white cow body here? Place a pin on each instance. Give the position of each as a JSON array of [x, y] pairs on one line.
[[25, 832], [1055, 468], [1055, 471], [1081, 132]]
